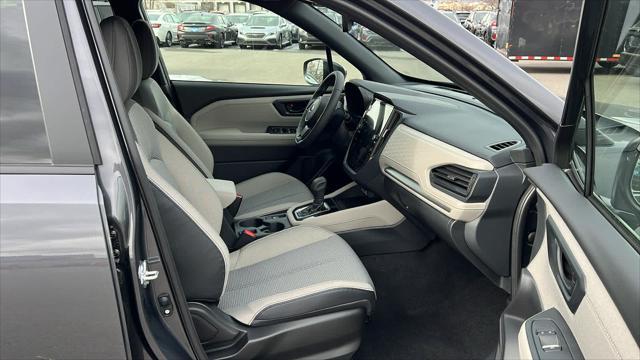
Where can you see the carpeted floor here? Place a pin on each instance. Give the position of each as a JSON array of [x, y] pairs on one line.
[[431, 304]]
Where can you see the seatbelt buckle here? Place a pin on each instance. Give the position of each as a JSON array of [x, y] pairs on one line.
[[249, 233], [246, 236]]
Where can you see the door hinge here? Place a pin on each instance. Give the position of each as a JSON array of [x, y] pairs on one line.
[[145, 275], [115, 243]]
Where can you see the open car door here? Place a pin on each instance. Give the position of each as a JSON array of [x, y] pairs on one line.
[[580, 288]]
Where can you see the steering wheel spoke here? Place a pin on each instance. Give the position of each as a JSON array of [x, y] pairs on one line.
[[320, 109]]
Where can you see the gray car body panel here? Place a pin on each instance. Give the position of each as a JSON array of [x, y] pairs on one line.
[[56, 282]]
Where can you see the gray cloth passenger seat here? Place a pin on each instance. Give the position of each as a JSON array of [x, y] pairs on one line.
[[297, 273], [264, 194]]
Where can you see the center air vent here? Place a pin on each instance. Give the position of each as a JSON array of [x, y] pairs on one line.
[[503, 145], [453, 179]]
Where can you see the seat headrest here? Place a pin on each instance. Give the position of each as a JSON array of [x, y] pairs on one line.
[[124, 54], [148, 49]]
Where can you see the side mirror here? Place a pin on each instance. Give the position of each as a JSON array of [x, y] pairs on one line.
[[315, 70]]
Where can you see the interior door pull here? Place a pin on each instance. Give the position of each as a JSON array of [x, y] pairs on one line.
[[564, 266]]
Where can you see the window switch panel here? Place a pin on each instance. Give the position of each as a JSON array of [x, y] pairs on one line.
[[550, 342]]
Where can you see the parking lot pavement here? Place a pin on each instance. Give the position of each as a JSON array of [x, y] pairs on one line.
[[284, 66], [554, 75], [246, 65]]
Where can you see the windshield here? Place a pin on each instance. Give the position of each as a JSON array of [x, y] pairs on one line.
[[263, 21], [450, 15], [398, 59], [153, 17], [238, 19], [478, 16], [203, 17]]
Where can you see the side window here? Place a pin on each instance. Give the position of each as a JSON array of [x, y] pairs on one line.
[[615, 118], [256, 50], [23, 136]]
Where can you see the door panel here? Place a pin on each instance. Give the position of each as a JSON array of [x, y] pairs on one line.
[[246, 126], [195, 95], [247, 122], [605, 319]]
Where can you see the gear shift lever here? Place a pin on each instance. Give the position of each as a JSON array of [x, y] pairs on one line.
[[318, 187]]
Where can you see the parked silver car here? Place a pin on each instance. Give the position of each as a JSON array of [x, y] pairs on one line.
[[165, 26], [237, 20], [264, 29]]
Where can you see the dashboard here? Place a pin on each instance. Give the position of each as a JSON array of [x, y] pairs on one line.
[[444, 160]]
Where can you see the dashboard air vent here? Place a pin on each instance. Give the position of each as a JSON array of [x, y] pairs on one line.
[[503, 145], [454, 179]]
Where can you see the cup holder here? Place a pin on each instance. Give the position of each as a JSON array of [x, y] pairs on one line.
[[275, 226], [262, 226], [252, 223]]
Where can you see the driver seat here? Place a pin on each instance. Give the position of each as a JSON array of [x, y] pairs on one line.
[[264, 194]]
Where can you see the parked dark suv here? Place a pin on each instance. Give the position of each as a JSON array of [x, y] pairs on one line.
[[205, 29]]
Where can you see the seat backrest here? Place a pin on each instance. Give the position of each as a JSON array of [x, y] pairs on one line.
[[190, 209], [165, 116]]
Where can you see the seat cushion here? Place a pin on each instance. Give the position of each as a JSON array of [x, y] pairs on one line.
[[271, 192], [298, 272]]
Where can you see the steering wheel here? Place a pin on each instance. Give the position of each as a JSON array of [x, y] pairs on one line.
[[320, 109]]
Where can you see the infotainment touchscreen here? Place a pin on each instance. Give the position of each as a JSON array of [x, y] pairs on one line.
[[378, 114], [368, 133]]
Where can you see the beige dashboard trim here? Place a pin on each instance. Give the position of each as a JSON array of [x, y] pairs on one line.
[[413, 154], [376, 215]]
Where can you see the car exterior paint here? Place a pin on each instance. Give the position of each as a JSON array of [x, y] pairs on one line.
[[55, 267]]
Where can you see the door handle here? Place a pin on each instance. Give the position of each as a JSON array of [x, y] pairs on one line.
[[293, 107], [565, 268]]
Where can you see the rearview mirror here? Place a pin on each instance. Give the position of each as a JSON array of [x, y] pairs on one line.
[[315, 70]]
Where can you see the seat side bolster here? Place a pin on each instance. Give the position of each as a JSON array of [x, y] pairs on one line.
[[306, 301], [202, 267], [323, 302]]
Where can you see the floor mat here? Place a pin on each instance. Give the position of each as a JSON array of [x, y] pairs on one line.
[[431, 304]]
